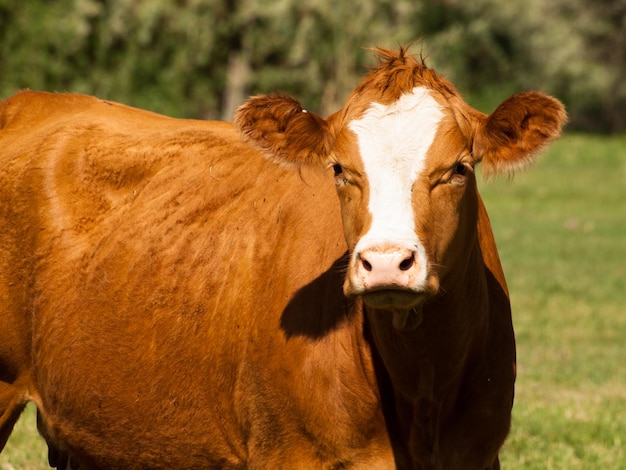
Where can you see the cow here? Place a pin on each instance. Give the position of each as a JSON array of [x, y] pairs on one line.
[[287, 291]]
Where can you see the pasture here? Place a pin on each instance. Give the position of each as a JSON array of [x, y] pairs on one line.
[[560, 229]]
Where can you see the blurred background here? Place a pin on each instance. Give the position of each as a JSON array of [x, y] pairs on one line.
[[202, 58]]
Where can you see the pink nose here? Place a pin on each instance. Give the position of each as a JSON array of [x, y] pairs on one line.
[[389, 268]]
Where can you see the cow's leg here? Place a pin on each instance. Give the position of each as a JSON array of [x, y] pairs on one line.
[[12, 404], [15, 343]]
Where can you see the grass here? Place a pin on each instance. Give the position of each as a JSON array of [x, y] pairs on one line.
[[561, 234], [25, 450], [560, 230]]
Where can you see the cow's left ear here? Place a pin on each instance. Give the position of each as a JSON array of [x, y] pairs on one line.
[[279, 127], [510, 137]]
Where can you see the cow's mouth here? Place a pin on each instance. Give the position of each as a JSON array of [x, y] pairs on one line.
[[405, 306], [394, 299]]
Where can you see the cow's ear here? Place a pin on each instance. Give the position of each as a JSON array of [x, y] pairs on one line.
[[510, 137], [279, 127]]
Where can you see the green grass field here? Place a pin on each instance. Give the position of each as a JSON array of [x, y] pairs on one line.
[[561, 231]]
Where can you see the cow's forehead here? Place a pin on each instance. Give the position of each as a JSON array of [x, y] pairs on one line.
[[397, 136]]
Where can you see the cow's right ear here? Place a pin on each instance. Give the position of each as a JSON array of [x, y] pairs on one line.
[[279, 127]]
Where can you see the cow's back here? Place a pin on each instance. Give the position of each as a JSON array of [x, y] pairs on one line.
[[185, 293]]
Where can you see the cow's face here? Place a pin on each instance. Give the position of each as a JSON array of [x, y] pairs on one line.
[[403, 158], [405, 178]]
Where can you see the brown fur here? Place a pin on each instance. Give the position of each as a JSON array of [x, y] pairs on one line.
[[280, 128], [171, 299], [517, 130]]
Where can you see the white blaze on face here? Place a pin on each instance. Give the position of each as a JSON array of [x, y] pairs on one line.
[[393, 141]]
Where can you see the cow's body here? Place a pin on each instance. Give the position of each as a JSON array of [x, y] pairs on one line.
[[171, 299]]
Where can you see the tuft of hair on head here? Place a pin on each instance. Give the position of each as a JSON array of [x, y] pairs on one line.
[[399, 71]]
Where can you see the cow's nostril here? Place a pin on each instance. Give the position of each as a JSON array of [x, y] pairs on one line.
[[366, 264], [407, 263]]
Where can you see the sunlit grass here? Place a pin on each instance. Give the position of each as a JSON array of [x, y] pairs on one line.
[[26, 450], [560, 229]]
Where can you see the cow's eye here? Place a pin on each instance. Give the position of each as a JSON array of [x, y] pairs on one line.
[[337, 169], [459, 173], [460, 169]]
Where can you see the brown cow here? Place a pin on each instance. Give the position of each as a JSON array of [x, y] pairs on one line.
[[171, 299]]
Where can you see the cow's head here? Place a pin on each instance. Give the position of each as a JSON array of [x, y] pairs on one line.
[[403, 151]]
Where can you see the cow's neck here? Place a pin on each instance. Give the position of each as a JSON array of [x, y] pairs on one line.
[[420, 372], [425, 362]]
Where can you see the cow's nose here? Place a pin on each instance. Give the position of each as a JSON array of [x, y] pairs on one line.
[[392, 267]]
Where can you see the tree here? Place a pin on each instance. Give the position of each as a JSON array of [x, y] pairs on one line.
[[202, 58]]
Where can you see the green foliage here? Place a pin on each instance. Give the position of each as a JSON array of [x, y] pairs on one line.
[[202, 58], [150, 53], [574, 49], [182, 58]]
